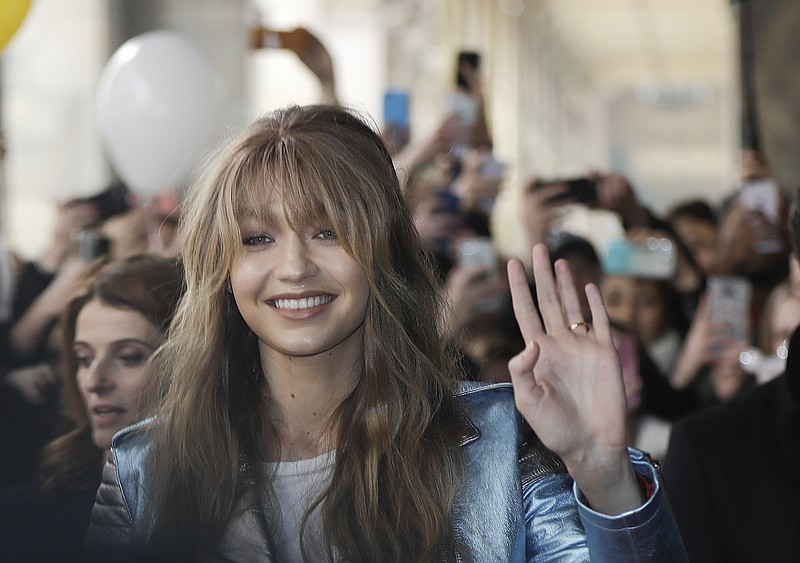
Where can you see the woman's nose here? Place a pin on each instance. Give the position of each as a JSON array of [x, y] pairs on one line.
[[295, 260], [99, 376]]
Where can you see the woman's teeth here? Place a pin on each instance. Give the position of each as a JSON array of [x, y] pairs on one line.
[[304, 303]]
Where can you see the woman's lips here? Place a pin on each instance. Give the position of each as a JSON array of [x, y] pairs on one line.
[[301, 303], [106, 415], [301, 307]]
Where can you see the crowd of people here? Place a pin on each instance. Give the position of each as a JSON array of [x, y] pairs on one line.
[[329, 370]]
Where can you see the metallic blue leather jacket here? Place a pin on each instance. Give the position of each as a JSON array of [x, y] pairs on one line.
[[517, 502]]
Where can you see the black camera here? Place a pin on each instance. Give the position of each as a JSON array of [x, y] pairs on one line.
[[114, 200], [579, 190]]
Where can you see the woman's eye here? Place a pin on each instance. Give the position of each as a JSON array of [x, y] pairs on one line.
[[326, 234], [82, 360], [133, 359], [255, 240]]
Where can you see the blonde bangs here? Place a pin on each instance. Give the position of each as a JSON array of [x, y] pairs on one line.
[[314, 187]]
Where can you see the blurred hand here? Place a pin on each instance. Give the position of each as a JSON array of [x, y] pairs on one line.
[[468, 290], [71, 217], [616, 194], [33, 382], [308, 48], [311, 52], [540, 209], [696, 352], [130, 233], [740, 229], [754, 165], [472, 186], [450, 133], [413, 158]]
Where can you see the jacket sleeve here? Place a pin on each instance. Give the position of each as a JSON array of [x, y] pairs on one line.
[[561, 527], [648, 533], [553, 529], [110, 536]]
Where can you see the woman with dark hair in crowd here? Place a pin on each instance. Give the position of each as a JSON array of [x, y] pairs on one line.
[[110, 328]]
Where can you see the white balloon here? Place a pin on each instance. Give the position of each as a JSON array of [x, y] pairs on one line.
[[159, 108]]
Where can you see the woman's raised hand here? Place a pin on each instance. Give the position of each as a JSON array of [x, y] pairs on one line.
[[568, 382]]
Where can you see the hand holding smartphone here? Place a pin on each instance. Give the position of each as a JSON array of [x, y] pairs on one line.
[[480, 252], [729, 310], [763, 197], [579, 190]]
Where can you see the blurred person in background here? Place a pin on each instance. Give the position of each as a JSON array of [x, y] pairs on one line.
[[652, 402], [109, 329], [110, 224], [753, 231], [478, 304], [747, 508], [29, 368], [695, 224]]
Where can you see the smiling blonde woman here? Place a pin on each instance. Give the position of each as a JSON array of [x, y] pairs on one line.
[[311, 412]]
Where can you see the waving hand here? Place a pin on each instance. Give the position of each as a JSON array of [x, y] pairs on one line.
[[568, 382]]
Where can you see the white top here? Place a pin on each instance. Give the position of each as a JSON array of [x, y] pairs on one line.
[[297, 484]]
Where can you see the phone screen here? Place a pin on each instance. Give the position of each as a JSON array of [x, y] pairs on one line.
[[762, 195], [729, 309], [396, 108], [478, 252], [463, 105]]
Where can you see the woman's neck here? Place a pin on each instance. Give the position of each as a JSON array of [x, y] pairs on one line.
[[304, 393]]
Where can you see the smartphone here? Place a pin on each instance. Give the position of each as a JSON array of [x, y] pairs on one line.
[[729, 308], [464, 105], [471, 58], [396, 109], [653, 258], [114, 200], [92, 245], [579, 190], [480, 252], [763, 196]]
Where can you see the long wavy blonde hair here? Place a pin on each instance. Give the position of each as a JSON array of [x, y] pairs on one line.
[[398, 462]]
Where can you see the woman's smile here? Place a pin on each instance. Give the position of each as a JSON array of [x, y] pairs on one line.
[[301, 302]]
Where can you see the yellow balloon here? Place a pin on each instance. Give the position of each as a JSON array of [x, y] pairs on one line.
[[12, 12]]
